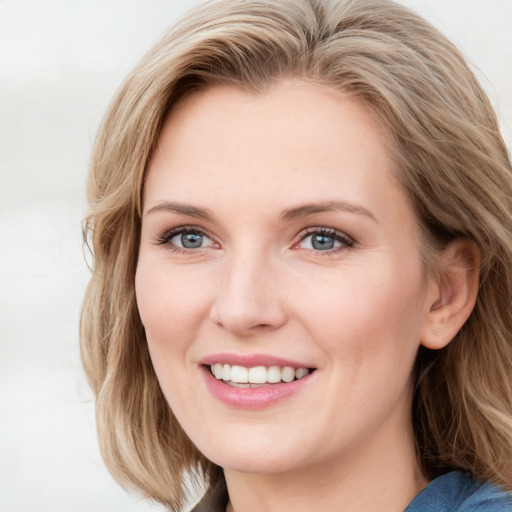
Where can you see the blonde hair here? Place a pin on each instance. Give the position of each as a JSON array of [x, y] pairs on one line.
[[452, 161]]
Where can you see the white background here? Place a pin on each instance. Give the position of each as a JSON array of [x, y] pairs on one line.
[[60, 63]]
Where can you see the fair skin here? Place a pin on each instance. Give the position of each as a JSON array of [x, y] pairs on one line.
[[274, 230]]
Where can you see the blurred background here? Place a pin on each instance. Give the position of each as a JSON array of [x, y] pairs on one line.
[[60, 63]]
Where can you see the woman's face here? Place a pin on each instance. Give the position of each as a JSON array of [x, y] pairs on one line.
[[277, 245]]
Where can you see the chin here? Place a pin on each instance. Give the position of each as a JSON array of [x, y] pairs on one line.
[[255, 456], [257, 466]]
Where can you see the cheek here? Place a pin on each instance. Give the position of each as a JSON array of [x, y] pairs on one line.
[[164, 314], [364, 317], [169, 321], [169, 305], [369, 330]]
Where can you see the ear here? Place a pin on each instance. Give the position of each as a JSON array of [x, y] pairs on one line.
[[452, 296]]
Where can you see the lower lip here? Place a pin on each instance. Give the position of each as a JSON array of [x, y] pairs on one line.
[[252, 398]]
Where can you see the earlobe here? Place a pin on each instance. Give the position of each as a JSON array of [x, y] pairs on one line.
[[453, 295]]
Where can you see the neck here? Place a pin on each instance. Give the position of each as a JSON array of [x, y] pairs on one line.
[[382, 475]]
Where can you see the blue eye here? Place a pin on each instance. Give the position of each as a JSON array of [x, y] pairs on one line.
[[185, 238], [188, 240], [325, 240]]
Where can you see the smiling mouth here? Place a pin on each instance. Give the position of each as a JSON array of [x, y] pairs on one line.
[[256, 376]]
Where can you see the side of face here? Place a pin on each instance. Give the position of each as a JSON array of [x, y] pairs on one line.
[[275, 234]]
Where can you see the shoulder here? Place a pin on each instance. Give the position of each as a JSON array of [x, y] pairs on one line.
[[458, 492]]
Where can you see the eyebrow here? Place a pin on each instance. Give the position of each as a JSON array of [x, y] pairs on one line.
[[182, 209], [288, 214], [328, 206]]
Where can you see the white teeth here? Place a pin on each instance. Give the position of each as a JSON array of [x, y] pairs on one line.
[[217, 370], [274, 374], [239, 374], [243, 377], [301, 372], [258, 375], [226, 372], [288, 374]]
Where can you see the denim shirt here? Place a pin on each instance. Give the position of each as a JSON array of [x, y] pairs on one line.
[[453, 492], [458, 492]]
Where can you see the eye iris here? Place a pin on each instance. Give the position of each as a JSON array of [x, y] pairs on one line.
[[322, 242], [191, 240]]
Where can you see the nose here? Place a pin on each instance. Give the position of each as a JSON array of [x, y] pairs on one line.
[[249, 300]]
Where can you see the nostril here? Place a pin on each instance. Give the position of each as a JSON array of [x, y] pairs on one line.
[[261, 326]]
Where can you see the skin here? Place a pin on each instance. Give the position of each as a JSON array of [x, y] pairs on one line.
[[357, 313]]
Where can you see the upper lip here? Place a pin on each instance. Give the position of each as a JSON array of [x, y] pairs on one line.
[[251, 360]]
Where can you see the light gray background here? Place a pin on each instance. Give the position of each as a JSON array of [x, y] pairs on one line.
[[60, 63]]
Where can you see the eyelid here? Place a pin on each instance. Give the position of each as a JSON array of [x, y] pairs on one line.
[[166, 235], [347, 242]]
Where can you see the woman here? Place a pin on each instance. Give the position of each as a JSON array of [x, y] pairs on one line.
[[301, 296]]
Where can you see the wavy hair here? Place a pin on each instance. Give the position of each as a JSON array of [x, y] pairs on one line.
[[451, 160]]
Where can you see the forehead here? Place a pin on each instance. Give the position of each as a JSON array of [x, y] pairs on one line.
[[235, 126]]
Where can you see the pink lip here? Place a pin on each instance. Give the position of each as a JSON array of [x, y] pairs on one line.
[[251, 360], [251, 398]]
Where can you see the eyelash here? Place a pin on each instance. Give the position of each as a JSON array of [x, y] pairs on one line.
[[346, 242], [165, 238]]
